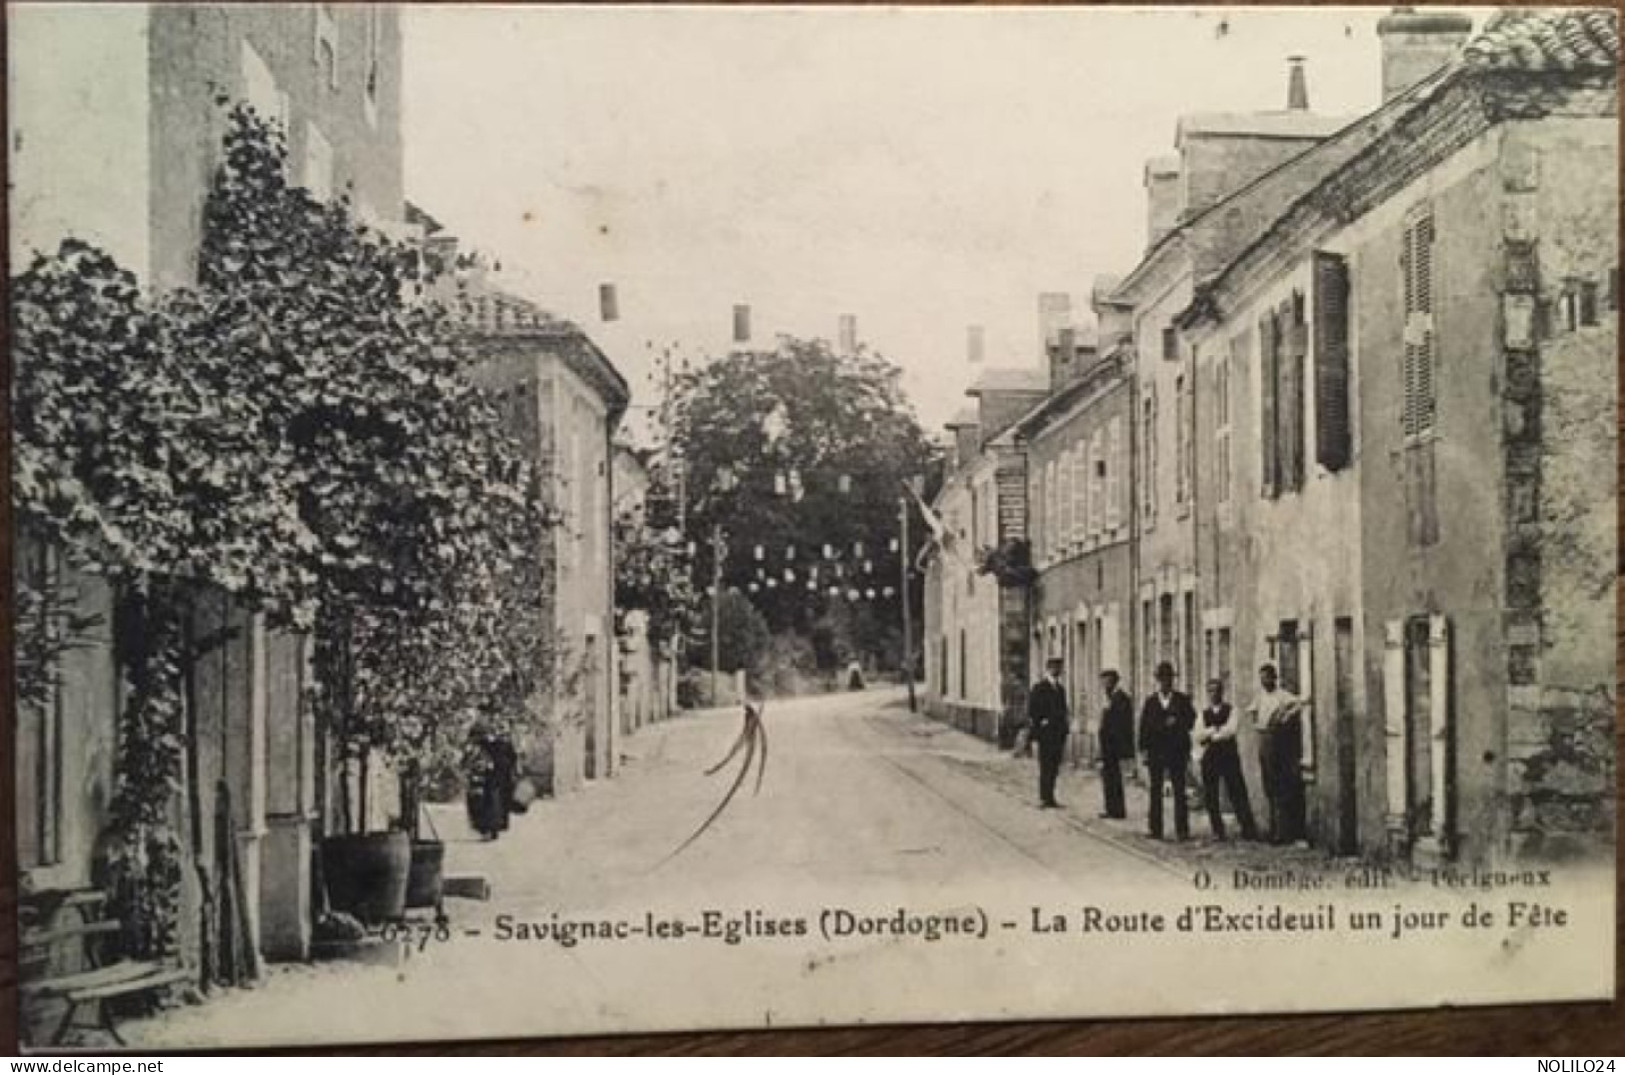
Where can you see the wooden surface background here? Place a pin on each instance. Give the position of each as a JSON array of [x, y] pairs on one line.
[[1555, 1030]]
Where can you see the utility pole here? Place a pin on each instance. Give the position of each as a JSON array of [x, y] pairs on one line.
[[908, 613], [716, 608]]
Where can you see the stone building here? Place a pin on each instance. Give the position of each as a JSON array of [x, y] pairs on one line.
[[1409, 382], [1230, 175], [975, 629], [565, 400], [1079, 452], [114, 131]]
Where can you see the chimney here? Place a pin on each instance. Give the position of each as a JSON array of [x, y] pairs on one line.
[[1297, 86], [1163, 199], [1063, 354], [1416, 44], [1054, 315]]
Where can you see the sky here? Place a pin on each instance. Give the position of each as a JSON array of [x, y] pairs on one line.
[[921, 169]]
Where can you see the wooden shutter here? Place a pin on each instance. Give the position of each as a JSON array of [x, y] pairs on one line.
[[1291, 402], [1115, 464], [1080, 491], [1420, 402], [1333, 436], [1306, 691], [1439, 723], [1396, 749], [1267, 386]]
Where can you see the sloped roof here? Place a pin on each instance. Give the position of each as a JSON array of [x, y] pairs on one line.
[[1010, 380], [1513, 42], [1546, 40], [1292, 123], [966, 416]]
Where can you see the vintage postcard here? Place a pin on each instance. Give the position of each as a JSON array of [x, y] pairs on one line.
[[540, 520]]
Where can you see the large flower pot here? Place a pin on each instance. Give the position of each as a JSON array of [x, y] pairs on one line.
[[423, 880], [366, 874]]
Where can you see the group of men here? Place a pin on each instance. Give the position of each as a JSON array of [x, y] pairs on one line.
[[1170, 733]]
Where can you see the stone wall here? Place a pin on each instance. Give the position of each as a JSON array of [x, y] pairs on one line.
[[1560, 351]]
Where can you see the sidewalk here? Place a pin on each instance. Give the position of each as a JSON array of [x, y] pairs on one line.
[[1082, 799]]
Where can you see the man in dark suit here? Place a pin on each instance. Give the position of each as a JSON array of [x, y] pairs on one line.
[[1165, 741], [1116, 742], [1048, 718]]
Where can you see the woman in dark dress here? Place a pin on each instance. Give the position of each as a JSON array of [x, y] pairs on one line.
[[493, 772]]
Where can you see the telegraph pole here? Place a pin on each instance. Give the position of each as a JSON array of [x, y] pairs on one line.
[[908, 613], [716, 608]]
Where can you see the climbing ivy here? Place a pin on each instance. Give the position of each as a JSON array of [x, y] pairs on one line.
[[300, 431]]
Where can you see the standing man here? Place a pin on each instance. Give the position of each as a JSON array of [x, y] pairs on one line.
[[1165, 740], [1221, 763], [1278, 717], [1047, 717], [1116, 742]]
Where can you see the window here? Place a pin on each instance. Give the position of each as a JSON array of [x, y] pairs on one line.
[[1098, 506], [260, 89], [975, 519], [1114, 473], [1181, 442], [1588, 302], [1286, 655], [1283, 341], [375, 50], [1080, 493], [1167, 643], [1187, 637], [964, 674], [1040, 546], [318, 175], [327, 45], [1068, 517], [1420, 404], [1333, 427], [1148, 457], [1170, 344], [1148, 640]]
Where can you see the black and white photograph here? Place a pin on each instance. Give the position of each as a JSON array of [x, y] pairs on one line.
[[539, 520]]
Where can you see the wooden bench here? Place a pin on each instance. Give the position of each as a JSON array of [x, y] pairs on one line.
[[101, 981]]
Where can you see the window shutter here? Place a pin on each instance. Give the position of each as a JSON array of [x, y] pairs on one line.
[[1306, 691], [1267, 384], [1080, 491], [1333, 436], [1297, 346], [1420, 403], [1114, 471], [1439, 724], [1393, 703]]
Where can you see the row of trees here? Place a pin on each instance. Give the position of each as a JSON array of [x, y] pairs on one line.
[[296, 430]]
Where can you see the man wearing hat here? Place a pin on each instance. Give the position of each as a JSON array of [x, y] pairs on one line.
[[1116, 742], [1048, 718], [1165, 741]]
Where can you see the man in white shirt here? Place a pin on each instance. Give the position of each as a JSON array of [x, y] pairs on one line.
[[1216, 730], [1278, 718]]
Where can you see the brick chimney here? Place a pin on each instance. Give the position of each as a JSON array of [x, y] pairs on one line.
[[1416, 44], [1163, 200], [1297, 85]]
